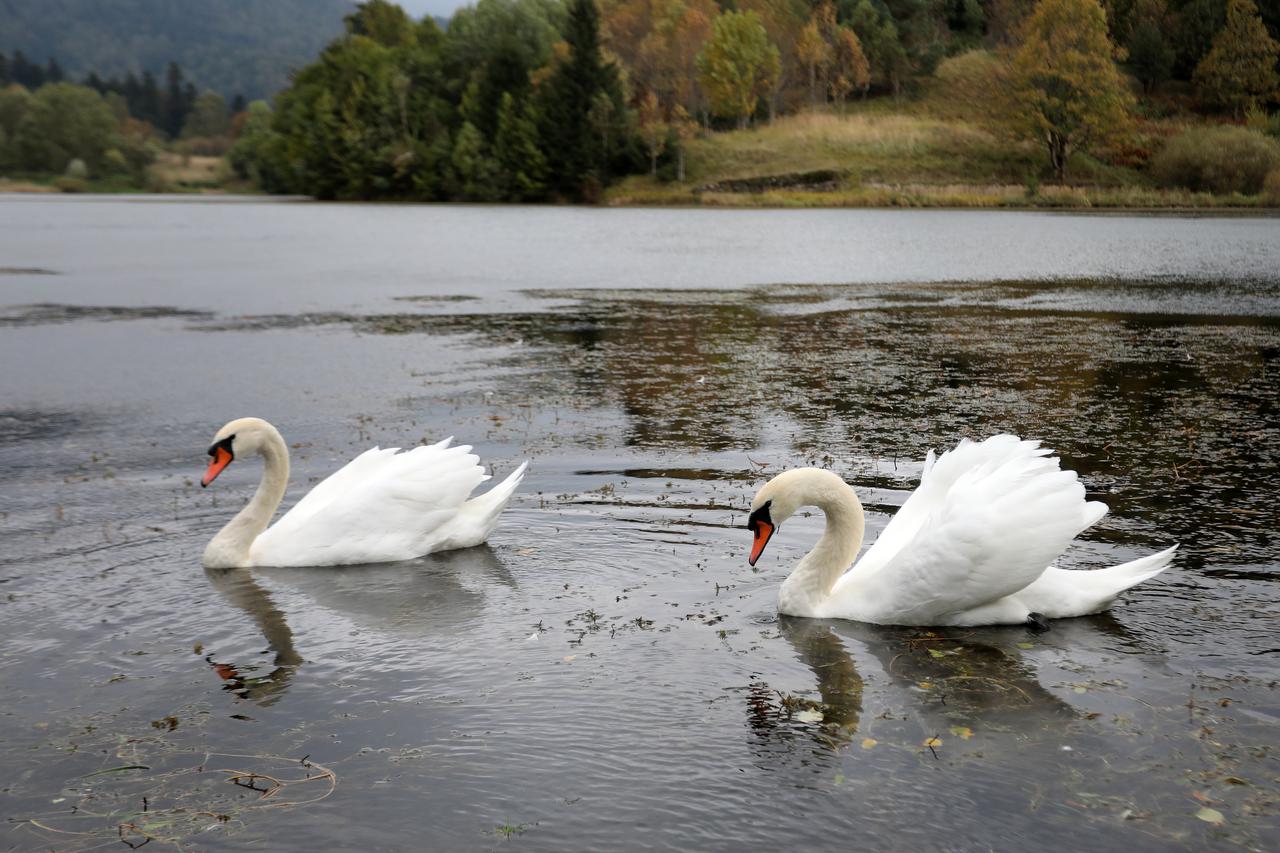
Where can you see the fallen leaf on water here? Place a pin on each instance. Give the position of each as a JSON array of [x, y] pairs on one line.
[[1081, 689], [809, 715], [1212, 816], [839, 780], [1234, 780], [869, 742], [569, 658], [924, 685], [962, 732], [933, 741], [1026, 645]]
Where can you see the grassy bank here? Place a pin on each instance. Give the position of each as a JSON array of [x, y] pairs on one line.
[[882, 159], [170, 173]]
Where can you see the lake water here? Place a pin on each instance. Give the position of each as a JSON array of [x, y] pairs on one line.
[[608, 673]]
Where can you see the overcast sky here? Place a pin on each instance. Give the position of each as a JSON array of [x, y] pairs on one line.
[[443, 8]]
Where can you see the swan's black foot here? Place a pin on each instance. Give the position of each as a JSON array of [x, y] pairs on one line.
[[1037, 623]]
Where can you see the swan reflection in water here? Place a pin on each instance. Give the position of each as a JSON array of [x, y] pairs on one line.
[[432, 595], [941, 679]]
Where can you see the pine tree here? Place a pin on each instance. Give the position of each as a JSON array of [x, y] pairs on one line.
[[1150, 54], [524, 168], [175, 101], [1067, 88], [53, 71], [577, 147], [1240, 69], [5, 80]]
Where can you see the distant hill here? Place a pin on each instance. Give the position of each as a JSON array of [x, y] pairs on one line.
[[232, 46]]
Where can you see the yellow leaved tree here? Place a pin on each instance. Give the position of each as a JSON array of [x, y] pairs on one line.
[[1067, 91]]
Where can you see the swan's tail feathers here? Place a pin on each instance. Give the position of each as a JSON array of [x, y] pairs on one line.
[[496, 498], [1062, 593], [1136, 571], [478, 516]]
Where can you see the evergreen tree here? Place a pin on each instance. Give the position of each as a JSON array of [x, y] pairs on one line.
[[5, 79], [1240, 69], [1151, 55], [148, 100], [175, 101], [26, 73], [578, 147], [523, 166], [476, 169], [1196, 23], [53, 71], [238, 104]]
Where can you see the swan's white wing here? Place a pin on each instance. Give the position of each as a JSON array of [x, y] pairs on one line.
[[382, 506], [987, 520]]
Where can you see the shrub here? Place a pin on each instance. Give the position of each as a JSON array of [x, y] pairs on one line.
[[1271, 187], [77, 169], [70, 184], [1216, 159]]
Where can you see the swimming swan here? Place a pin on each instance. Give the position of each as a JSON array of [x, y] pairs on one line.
[[970, 546], [381, 506]]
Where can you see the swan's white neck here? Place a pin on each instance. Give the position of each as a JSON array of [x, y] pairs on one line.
[[230, 548], [810, 582]]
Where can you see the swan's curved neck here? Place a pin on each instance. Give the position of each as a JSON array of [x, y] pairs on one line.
[[230, 548], [810, 582]]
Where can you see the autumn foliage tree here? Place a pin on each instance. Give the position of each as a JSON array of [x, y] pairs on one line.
[[1068, 91], [1240, 69], [849, 69], [738, 65]]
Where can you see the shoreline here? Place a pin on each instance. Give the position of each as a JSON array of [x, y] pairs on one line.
[[719, 201]]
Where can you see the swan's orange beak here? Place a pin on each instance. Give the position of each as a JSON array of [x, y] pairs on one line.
[[221, 459], [763, 530]]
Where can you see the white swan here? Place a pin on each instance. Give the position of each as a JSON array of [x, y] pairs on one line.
[[381, 506], [970, 546]]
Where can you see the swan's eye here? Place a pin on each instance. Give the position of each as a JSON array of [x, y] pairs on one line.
[[225, 444], [760, 515]]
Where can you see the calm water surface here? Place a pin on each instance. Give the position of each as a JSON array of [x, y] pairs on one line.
[[608, 673]]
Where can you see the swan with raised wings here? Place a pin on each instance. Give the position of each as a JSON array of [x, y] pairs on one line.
[[380, 507], [972, 545]]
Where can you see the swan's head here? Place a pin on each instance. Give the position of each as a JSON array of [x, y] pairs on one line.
[[240, 437], [776, 501], [779, 499]]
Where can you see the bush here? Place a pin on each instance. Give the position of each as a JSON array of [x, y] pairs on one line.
[[70, 184], [1216, 159], [1271, 187], [77, 169]]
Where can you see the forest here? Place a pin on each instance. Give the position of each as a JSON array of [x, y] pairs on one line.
[[230, 46], [543, 100]]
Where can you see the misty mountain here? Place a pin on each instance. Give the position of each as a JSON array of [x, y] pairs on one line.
[[232, 46]]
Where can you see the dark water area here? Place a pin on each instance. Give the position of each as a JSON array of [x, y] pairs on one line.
[[607, 673]]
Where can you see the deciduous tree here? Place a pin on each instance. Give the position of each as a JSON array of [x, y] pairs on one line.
[[738, 65], [1068, 90], [849, 69]]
